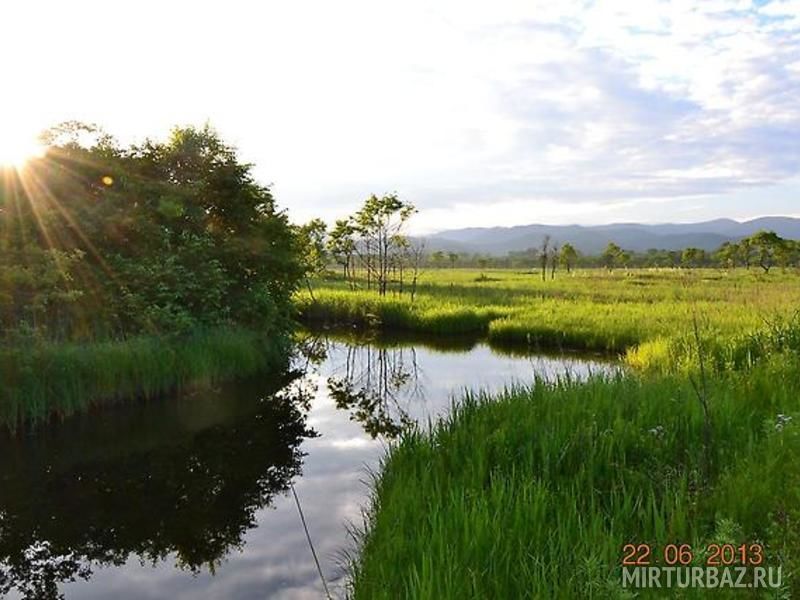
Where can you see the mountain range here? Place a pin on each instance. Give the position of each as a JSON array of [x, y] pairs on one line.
[[592, 239]]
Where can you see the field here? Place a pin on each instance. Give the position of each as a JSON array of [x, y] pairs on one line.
[[532, 494], [648, 315]]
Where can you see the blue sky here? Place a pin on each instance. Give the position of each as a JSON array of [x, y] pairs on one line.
[[481, 113]]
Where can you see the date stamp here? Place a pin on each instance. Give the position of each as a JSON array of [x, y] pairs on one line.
[[683, 566], [715, 555]]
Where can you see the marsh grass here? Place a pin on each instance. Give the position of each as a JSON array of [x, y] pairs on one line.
[[44, 380], [645, 315], [532, 493]]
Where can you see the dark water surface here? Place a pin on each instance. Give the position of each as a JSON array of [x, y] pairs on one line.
[[189, 497]]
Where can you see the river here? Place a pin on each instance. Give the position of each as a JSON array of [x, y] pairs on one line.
[[190, 497]]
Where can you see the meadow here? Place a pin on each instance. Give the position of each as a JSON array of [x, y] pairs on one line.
[[646, 315], [534, 492]]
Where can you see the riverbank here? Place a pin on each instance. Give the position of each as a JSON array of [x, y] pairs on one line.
[[41, 380], [534, 492]]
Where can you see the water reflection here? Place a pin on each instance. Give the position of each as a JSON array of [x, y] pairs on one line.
[[373, 385], [142, 487], [109, 504]]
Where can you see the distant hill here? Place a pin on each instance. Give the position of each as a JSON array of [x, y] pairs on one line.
[[707, 235]]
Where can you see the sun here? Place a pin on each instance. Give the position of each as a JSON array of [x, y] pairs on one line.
[[16, 150]]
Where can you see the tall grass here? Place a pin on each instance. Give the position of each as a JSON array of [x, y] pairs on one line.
[[532, 494], [44, 380], [646, 315]]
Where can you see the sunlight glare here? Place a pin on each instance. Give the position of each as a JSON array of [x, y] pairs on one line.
[[17, 149]]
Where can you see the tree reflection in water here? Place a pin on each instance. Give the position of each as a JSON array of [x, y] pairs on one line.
[[376, 384], [148, 488]]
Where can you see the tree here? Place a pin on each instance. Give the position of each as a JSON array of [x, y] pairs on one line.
[[611, 255], [746, 252], [453, 257], [312, 249], [767, 244], [693, 257], [554, 254], [568, 256], [727, 254], [342, 247], [438, 258], [380, 224], [159, 237]]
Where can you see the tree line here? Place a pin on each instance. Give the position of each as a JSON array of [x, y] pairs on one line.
[[762, 250]]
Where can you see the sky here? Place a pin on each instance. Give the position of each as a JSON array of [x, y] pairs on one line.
[[479, 113]]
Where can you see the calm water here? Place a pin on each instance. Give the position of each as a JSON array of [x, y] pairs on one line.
[[189, 497]]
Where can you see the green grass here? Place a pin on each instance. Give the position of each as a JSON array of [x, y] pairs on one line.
[[44, 380], [646, 314], [533, 493]]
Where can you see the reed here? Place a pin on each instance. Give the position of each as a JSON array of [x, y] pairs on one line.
[[532, 493], [43, 380]]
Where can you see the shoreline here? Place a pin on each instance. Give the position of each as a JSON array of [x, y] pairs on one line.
[[52, 380]]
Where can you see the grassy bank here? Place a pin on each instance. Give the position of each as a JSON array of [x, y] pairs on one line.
[[647, 314], [43, 379], [532, 494]]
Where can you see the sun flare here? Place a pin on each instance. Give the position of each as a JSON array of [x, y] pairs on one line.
[[17, 150]]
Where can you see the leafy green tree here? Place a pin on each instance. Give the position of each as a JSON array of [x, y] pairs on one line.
[[380, 223], [160, 237], [438, 258], [611, 256], [693, 257], [727, 254], [342, 246], [767, 245], [746, 252], [568, 256], [313, 250]]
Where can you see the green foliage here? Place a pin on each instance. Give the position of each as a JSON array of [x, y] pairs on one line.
[[768, 245], [568, 257], [311, 243], [611, 255], [99, 241], [693, 258], [128, 271]]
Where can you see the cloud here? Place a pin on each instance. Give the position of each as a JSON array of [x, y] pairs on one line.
[[613, 104], [448, 103]]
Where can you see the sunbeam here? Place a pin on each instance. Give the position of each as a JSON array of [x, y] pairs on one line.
[[17, 148]]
